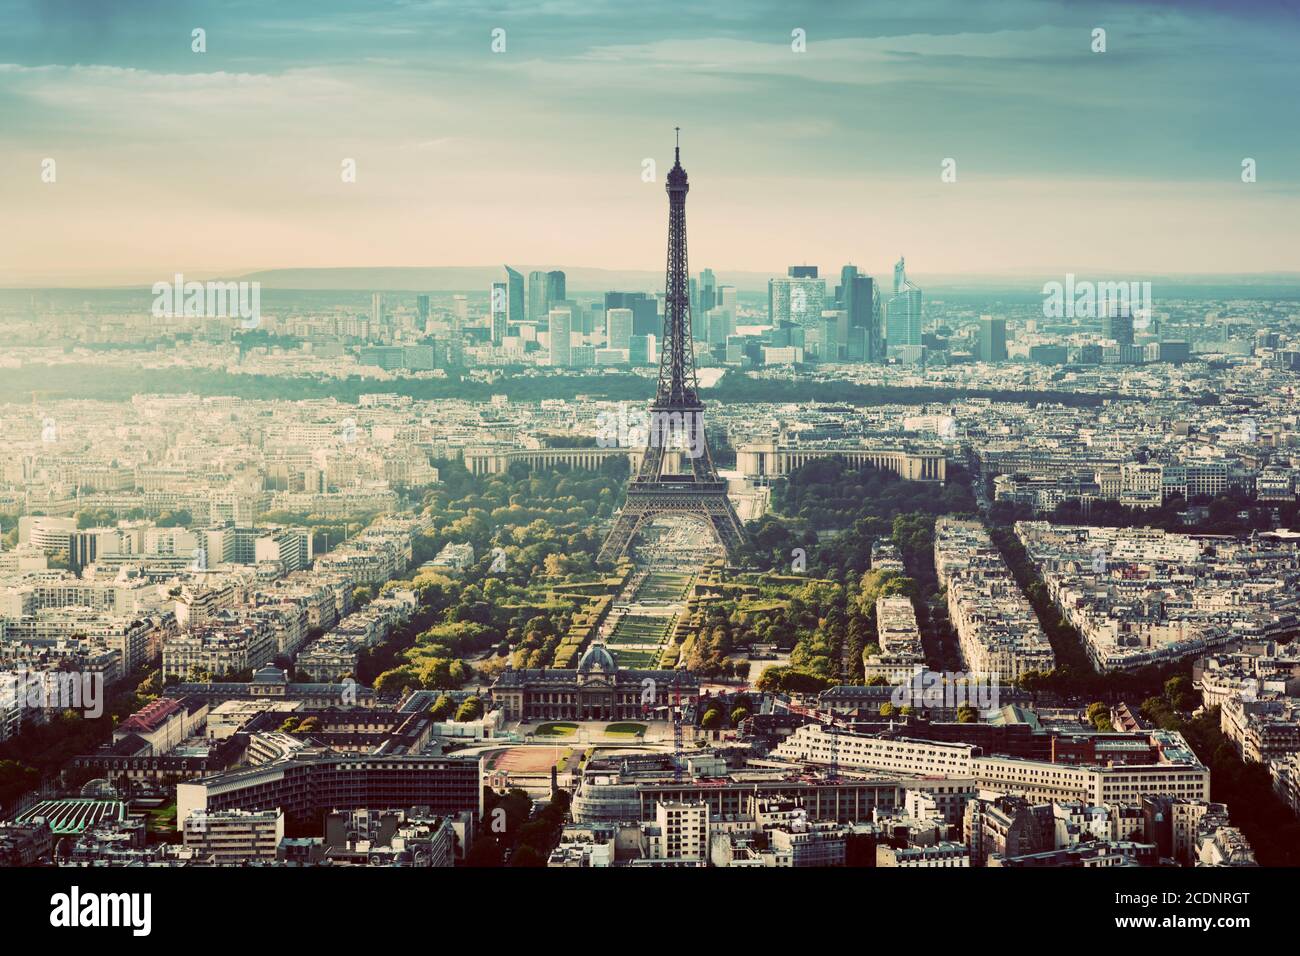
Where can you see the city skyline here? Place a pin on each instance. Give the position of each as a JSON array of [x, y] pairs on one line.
[[395, 477], [231, 160]]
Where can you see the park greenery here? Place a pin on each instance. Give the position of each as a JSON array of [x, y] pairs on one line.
[[532, 533], [816, 593]]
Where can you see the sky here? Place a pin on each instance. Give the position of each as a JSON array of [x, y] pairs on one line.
[[231, 160]]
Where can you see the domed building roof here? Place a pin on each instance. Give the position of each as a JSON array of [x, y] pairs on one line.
[[597, 659]]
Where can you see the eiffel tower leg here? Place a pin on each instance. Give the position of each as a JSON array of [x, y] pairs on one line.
[[619, 539], [727, 528], [715, 509]]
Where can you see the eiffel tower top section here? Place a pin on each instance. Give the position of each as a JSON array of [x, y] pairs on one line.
[[678, 385]]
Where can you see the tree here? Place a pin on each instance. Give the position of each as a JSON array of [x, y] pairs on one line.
[[711, 719], [442, 707], [967, 714], [396, 682], [1178, 691], [1099, 715], [470, 709], [737, 715]]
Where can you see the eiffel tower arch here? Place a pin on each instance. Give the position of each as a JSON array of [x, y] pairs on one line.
[[676, 432]]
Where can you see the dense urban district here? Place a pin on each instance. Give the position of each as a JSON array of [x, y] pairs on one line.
[[473, 579]]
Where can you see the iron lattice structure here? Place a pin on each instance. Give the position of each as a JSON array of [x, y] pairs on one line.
[[676, 430]]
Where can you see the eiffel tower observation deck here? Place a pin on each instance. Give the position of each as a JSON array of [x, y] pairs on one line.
[[676, 436]]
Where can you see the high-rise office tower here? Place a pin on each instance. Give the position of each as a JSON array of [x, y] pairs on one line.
[[538, 307], [992, 340], [858, 334], [579, 318], [645, 310], [802, 272], [499, 307], [516, 303], [618, 328], [722, 319], [1117, 324], [903, 311], [708, 289], [376, 311], [640, 350], [799, 299], [706, 299], [561, 322], [422, 308], [829, 348], [555, 286]]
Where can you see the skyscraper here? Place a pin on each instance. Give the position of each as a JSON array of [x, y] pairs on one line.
[[858, 334], [516, 311], [422, 308], [828, 348], [498, 306], [645, 310], [903, 311], [706, 298], [992, 340], [561, 321], [555, 286], [376, 312], [618, 328], [538, 307], [1117, 324], [722, 320], [708, 289], [796, 298]]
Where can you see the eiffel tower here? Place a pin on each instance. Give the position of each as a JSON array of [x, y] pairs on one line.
[[676, 430]]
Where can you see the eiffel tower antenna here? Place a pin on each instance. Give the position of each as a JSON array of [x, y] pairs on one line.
[[676, 415]]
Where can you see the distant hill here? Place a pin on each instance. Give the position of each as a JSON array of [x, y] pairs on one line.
[[588, 280], [480, 278]]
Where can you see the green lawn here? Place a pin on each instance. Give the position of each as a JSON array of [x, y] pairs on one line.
[[643, 660], [635, 629], [625, 730], [556, 730]]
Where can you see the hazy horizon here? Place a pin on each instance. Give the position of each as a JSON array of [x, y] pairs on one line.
[[586, 281]]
